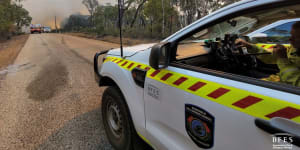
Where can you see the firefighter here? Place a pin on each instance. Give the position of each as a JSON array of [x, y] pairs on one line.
[[287, 58]]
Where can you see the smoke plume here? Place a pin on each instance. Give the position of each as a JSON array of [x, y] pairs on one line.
[[44, 11]]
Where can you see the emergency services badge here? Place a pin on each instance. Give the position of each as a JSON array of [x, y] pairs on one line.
[[199, 125]]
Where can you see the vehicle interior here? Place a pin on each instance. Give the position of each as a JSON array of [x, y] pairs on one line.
[[215, 48]]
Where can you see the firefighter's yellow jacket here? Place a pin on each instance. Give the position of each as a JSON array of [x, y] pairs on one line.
[[289, 67]]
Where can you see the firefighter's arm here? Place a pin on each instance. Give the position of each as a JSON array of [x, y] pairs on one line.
[[268, 59], [256, 49], [289, 73], [252, 48]]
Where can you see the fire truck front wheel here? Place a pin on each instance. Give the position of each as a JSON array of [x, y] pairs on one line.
[[116, 120]]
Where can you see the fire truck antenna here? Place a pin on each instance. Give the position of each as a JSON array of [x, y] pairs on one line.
[[121, 7]]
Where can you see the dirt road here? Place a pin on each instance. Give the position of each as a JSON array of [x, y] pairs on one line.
[[49, 99]]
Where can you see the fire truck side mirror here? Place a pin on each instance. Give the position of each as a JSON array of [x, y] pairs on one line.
[[160, 55]]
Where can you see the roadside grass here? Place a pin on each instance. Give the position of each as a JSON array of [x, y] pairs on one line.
[[115, 39], [10, 49]]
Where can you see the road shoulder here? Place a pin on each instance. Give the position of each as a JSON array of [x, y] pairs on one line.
[[116, 40], [9, 50]]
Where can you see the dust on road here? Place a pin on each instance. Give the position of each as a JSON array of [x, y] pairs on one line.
[[49, 99]]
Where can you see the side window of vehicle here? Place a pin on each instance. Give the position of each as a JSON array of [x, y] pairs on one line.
[[279, 34], [214, 49], [195, 45]]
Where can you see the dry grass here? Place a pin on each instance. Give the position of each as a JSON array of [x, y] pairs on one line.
[[10, 49], [112, 39]]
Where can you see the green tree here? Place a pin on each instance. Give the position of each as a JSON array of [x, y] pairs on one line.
[[6, 18], [153, 12], [12, 15], [193, 10], [106, 17], [22, 17], [140, 6]]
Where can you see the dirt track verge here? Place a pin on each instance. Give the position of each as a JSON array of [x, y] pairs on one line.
[[10, 49], [112, 39]]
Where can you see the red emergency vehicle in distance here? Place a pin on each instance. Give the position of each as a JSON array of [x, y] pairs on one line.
[[35, 28]]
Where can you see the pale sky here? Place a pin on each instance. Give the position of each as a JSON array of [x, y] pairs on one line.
[[44, 11]]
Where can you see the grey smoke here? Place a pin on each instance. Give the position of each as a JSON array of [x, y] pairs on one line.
[[44, 11]]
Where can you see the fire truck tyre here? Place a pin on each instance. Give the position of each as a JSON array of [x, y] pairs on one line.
[[117, 120]]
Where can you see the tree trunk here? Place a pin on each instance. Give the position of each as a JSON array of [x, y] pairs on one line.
[[137, 12], [171, 24], [163, 15], [151, 27]]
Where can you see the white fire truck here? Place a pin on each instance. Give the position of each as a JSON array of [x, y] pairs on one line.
[[198, 90]]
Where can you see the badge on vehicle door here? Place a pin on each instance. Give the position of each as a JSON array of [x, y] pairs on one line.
[[199, 126], [153, 91]]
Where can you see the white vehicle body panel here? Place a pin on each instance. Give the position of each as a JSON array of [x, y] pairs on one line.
[[165, 116], [132, 93], [129, 51], [166, 124]]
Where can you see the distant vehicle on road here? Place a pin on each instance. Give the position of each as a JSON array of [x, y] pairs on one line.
[[47, 30], [35, 28]]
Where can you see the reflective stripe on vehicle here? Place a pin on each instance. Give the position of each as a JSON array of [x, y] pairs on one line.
[[269, 46], [253, 104], [146, 140]]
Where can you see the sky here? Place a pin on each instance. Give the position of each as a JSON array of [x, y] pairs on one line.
[[44, 11]]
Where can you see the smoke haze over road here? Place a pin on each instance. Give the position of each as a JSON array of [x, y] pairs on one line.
[[44, 11]]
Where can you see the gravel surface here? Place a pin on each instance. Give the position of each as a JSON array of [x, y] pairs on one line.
[[84, 132], [48, 97]]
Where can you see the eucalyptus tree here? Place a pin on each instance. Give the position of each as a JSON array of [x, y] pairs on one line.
[[91, 6], [22, 17], [138, 9], [196, 9], [153, 12], [12, 16]]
